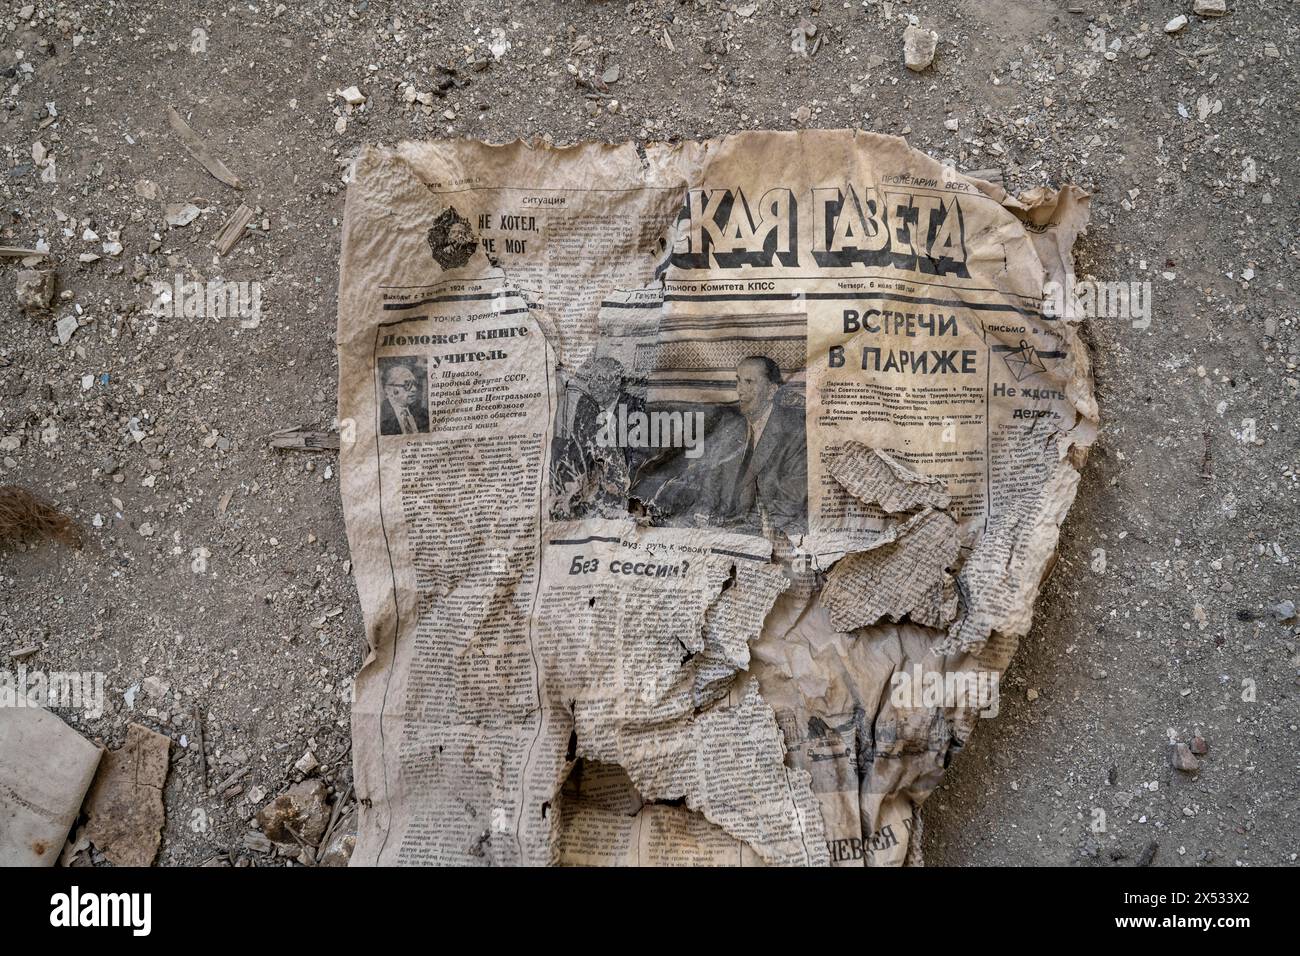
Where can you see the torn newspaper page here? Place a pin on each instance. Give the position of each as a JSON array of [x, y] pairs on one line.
[[697, 494]]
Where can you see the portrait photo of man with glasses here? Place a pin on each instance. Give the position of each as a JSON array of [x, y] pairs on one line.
[[403, 407]]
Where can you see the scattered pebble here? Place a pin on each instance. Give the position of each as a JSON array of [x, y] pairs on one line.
[[180, 214], [352, 96], [35, 288], [65, 328], [307, 763], [919, 45], [297, 816], [1184, 760]]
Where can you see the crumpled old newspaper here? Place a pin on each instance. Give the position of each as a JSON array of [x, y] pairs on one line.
[[697, 494]]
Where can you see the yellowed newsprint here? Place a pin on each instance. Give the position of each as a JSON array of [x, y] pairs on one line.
[[697, 494]]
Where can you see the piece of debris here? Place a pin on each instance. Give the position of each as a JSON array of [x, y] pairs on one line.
[[256, 841], [991, 175], [498, 45], [298, 816], [233, 779], [352, 96], [199, 149], [233, 229], [28, 518], [76, 853], [197, 715], [65, 328], [20, 252], [1148, 854], [304, 439], [180, 213], [1183, 759], [340, 840], [1199, 746], [919, 45], [1210, 8], [45, 769], [35, 288], [306, 763], [1283, 611], [125, 806], [1176, 24]]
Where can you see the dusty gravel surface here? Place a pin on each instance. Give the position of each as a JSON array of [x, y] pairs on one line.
[[215, 576]]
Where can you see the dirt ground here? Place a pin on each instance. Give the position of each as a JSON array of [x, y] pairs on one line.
[[215, 578]]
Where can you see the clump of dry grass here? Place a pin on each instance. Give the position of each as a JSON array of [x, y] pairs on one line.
[[29, 518]]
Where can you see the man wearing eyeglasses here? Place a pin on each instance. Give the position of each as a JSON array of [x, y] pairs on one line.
[[400, 413]]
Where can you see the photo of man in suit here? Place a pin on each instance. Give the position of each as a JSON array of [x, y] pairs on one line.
[[767, 472], [402, 409], [754, 471]]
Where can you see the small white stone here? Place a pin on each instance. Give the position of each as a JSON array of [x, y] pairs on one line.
[[307, 763], [498, 45], [918, 47], [1176, 24], [352, 96], [65, 328]]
